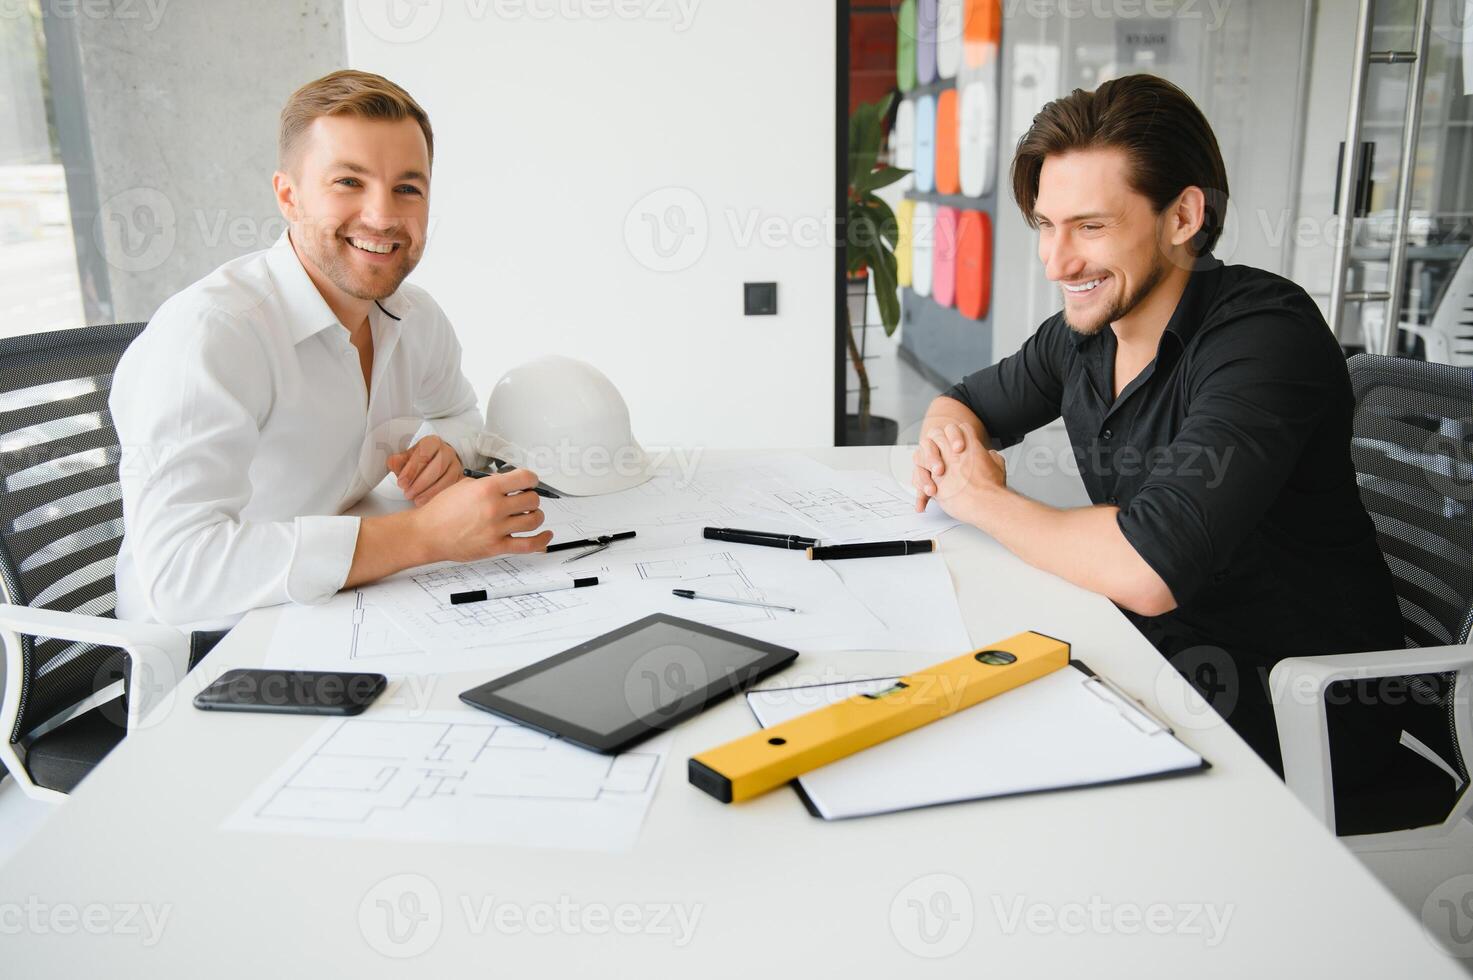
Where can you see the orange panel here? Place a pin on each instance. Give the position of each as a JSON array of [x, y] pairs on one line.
[[974, 264], [981, 31], [948, 180]]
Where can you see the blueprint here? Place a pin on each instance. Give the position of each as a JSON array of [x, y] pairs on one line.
[[455, 776], [632, 584], [350, 632], [670, 511], [407, 625], [419, 603], [857, 506]]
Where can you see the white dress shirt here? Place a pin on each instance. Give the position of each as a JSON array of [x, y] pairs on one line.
[[246, 433]]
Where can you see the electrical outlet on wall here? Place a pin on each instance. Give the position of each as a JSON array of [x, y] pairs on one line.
[[759, 299]]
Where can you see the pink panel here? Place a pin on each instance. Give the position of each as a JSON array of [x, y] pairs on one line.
[[943, 277]]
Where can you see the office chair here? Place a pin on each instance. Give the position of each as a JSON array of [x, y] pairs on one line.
[[76, 679], [1412, 444]]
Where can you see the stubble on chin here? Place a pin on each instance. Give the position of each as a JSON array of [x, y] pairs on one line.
[[371, 289]]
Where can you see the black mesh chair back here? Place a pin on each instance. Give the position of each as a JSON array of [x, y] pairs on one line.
[[61, 512], [1413, 449]]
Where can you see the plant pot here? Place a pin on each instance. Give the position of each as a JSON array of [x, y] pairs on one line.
[[881, 431]]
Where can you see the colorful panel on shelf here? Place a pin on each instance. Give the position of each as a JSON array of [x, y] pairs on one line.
[[904, 222], [943, 257], [923, 234], [947, 179], [981, 31], [925, 42], [925, 144], [974, 264], [977, 130], [903, 143], [948, 37], [905, 46]]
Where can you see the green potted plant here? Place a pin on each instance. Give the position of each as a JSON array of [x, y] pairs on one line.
[[870, 236]]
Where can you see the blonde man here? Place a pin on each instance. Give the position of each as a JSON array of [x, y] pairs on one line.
[[263, 401]]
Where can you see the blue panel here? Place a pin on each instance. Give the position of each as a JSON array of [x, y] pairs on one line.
[[925, 144]]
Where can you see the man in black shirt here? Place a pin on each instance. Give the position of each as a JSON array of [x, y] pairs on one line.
[[1208, 406]]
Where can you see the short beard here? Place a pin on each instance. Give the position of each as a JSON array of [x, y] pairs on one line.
[[338, 274], [1122, 308]]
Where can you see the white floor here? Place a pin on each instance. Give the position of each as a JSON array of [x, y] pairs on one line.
[[897, 391], [20, 817], [1414, 877]]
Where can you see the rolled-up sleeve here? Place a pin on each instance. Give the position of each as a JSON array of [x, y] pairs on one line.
[[1023, 391], [445, 398], [1257, 396], [188, 402]]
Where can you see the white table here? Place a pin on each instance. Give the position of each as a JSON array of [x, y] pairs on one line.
[[1053, 885]]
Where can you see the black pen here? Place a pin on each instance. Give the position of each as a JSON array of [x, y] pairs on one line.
[[871, 549], [590, 542], [539, 490], [766, 539], [481, 595]]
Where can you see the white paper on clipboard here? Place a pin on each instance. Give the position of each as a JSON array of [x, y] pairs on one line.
[[1060, 731]]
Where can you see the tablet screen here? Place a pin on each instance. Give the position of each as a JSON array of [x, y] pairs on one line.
[[631, 682]]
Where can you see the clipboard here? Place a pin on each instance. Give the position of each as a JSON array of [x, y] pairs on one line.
[[1071, 729]]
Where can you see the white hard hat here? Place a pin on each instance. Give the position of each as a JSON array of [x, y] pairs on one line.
[[563, 419]]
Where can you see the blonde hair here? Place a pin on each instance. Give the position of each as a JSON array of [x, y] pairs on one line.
[[347, 93]]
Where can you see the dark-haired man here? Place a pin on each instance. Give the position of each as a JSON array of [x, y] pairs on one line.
[[1208, 406]]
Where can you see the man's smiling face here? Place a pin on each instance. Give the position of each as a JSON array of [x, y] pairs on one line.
[[1099, 238], [359, 201]]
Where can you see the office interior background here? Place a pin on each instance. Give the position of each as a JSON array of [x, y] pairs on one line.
[[109, 205], [615, 186]]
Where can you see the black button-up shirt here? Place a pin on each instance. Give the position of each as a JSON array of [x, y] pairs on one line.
[[1229, 457]]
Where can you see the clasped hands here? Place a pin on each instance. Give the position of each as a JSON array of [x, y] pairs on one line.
[[954, 467]]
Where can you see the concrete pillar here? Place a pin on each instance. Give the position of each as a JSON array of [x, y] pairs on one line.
[[167, 116]]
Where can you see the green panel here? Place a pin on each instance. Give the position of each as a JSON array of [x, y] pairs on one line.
[[905, 48]]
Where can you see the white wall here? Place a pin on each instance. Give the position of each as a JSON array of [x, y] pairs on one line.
[[555, 121]]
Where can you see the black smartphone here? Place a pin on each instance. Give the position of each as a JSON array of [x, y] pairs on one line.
[[292, 692]]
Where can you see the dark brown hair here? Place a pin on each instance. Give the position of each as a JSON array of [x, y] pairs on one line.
[[347, 93], [1164, 135]]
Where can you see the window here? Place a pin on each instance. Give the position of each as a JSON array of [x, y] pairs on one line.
[[39, 285]]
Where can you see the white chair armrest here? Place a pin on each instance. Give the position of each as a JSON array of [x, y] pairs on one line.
[[1298, 685], [158, 656]]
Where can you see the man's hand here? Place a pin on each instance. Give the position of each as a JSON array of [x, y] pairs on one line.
[[970, 471], [425, 469], [930, 464], [474, 519]]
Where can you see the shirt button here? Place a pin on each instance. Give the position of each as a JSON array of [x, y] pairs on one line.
[[1106, 435], [1112, 501]]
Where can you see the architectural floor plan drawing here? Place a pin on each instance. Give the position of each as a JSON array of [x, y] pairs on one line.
[[830, 505], [455, 776], [419, 604], [719, 574], [860, 506]]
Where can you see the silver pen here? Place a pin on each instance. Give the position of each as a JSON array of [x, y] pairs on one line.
[[692, 594], [1133, 702]]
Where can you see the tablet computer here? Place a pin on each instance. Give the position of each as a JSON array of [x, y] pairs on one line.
[[618, 689]]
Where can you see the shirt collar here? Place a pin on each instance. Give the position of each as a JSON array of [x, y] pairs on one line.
[[1195, 300], [307, 312]]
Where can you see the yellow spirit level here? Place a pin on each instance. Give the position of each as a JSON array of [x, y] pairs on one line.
[[756, 763]]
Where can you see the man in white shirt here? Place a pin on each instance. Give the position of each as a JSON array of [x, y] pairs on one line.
[[264, 400]]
